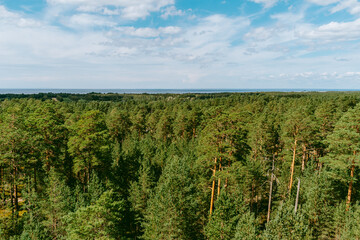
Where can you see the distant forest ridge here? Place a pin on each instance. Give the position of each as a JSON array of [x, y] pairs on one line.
[[163, 91], [108, 95]]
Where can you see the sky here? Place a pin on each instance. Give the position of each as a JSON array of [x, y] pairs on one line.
[[246, 44]]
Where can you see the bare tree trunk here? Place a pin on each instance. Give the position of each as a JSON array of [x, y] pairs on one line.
[[3, 186], [16, 198], [297, 196], [16, 190], [85, 177], [292, 166], [303, 158], [270, 191], [219, 180], [213, 189], [12, 198], [1, 182], [88, 173], [317, 159], [348, 199], [252, 195]]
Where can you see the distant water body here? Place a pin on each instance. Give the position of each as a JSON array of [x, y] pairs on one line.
[[159, 91]]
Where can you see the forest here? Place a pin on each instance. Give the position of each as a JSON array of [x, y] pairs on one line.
[[180, 166]]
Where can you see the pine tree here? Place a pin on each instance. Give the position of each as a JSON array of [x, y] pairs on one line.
[[101, 220], [247, 227], [33, 217], [288, 225], [171, 211], [15, 144], [318, 200], [89, 145], [344, 147], [228, 219], [223, 142], [57, 204], [46, 125], [140, 192], [297, 132]]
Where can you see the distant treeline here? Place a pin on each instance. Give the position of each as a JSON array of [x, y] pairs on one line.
[[94, 96], [180, 166]]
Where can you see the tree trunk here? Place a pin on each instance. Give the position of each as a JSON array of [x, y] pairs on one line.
[[16, 191], [1, 177], [348, 200], [213, 188], [303, 158], [270, 191], [297, 196], [219, 180], [88, 173], [16, 198], [292, 166], [3, 186], [12, 198], [85, 177]]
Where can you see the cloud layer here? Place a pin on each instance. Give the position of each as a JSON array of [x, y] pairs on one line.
[[158, 44]]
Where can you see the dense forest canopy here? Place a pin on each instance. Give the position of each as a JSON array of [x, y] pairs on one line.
[[188, 166]]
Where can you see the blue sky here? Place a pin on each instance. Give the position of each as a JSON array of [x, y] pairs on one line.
[[180, 44]]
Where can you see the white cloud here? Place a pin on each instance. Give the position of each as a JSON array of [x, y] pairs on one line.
[[5, 14], [127, 9], [208, 41], [333, 31], [266, 3], [352, 6], [170, 30], [351, 74], [7, 17], [87, 20], [323, 2], [139, 32], [97, 9], [148, 32], [213, 51], [171, 11], [202, 44], [288, 18], [279, 37], [259, 34], [137, 11], [25, 40], [217, 28], [59, 56]]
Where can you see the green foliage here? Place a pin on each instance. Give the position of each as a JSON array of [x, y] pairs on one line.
[[171, 212], [56, 205], [247, 227], [351, 225], [140, 192], [288, 225], [100, 220], [89, 146], [223, 222], [34, 218], [144, 166], [344, 141]]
